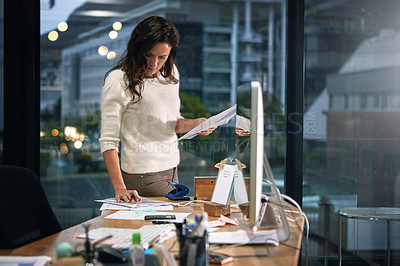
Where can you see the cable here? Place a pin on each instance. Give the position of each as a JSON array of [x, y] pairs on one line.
[[186, 203], [300, 212], [295, 204]]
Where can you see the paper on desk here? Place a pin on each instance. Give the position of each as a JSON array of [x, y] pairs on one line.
[[107, 206], [244, 237], [227, 220], [216, 223], [146, 203], [223, 220], [131, 215], [214, 121], [15, 261]]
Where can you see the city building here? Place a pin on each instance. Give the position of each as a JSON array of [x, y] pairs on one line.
[[214, 57]]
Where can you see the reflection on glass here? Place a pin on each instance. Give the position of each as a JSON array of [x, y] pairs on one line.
[[351, 123], [241, 129]]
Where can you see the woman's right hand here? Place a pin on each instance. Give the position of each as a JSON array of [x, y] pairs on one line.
[[127, 195]]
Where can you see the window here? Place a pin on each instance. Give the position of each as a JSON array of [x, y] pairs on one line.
[[220, 49], [359, 147], [338, 102]]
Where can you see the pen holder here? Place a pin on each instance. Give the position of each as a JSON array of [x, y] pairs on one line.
[[194, 250]]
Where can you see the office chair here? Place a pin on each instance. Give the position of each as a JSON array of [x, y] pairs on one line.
[[25, 213]]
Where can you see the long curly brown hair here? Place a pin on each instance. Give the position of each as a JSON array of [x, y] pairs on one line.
[[150, 31]]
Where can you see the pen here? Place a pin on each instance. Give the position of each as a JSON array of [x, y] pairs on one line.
[[98, 241], [161, 222]]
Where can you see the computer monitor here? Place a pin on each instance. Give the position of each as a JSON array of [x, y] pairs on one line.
[[250, 151], [250, 124]]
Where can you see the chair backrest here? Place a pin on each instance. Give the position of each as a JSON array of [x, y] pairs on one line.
[[25, 213]]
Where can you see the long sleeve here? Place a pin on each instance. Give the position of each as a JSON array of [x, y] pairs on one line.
[[114, 102]]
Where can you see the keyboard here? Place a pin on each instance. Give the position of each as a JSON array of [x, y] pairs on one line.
[[149, 234]]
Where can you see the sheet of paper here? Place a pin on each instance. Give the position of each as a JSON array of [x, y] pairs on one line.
[[223, 187], [107, 206], [131, 215], [240, 191], [146, 203], [27, 261], [214, 121], [244, 237], [227, 220], [216, 223]]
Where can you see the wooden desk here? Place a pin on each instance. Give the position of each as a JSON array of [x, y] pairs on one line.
[[285, 254]]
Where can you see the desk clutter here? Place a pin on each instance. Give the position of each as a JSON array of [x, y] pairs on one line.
[[142, 246], [183, 224], [190, 242], [136, 247]]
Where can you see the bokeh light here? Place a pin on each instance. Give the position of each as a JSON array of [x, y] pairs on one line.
[[62, 26], [111, 55], [103, 50], [54, 132], [63, 148], [117, 25], [53, 35], [78, 144], [113, 34]]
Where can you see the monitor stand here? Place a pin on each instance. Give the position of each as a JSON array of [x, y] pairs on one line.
[[267, 218]]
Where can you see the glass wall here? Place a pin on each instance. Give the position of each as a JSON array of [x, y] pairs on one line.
[[223, 44], [351, 126]]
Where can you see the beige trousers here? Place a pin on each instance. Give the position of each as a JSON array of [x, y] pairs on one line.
[[151, 184]]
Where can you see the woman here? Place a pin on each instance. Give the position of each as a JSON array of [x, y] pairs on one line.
[[140, 108]]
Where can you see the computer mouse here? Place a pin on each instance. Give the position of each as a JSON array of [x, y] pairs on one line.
[[111, 255]]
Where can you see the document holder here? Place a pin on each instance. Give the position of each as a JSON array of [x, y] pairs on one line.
[[224, 185]]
